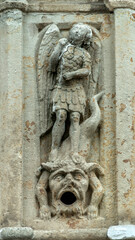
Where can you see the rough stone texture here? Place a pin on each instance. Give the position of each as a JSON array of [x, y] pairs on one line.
[[114, 4], [125, 113], [13, 4], [121, 232], [56, 5], [11, 147], [27, 233], [16, 233], [87, 234], [107, 134]]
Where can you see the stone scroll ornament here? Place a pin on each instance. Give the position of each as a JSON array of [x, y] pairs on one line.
[[67, 75]]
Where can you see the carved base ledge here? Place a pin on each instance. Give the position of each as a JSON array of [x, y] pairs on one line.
[[113, 4], [87, 234], [119, 232], [21, 233]]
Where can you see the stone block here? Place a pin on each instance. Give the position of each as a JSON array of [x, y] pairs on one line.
[[17, 233], [121, 232]]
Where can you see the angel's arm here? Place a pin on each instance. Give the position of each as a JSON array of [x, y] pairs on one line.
[[80, 73], [54, 59], [83, 72]]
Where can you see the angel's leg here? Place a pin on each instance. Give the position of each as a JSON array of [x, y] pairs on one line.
[[58, 128], [74, 131]]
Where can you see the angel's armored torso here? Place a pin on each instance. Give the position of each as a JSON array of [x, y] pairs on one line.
[[70, 94]]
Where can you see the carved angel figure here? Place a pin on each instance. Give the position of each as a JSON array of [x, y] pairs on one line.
[[64, 71], [67, 72], [72, 63]]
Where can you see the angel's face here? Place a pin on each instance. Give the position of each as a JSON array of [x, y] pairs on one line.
[[77, 34]]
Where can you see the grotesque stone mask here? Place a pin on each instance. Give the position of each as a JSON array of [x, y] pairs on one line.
[[68, 187]]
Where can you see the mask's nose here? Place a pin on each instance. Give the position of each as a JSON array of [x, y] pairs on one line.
[[69, 176], [69, 181]]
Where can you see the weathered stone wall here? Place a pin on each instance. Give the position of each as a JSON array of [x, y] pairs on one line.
[[114, 143]]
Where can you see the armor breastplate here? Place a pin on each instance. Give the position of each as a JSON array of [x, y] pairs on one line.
[[71, 60]]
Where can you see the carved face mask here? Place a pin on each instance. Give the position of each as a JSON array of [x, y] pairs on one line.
[[68, 185]]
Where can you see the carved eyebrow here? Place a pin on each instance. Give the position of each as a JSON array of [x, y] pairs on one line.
[[78, 171], [56, 173]]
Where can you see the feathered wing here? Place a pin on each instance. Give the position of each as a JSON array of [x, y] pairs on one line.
[[48, 39], [95, 52]]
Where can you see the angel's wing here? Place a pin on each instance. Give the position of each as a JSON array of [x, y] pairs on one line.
[[96, 48], [95, 52], [90, 86], [47, 40]]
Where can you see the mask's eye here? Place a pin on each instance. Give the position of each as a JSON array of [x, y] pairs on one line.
[[58, 177], [78, 176]]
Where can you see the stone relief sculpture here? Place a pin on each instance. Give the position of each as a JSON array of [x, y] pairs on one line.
[[67, 73], [72, 63]]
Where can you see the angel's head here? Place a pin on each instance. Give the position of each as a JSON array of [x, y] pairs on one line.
[[80, 34]]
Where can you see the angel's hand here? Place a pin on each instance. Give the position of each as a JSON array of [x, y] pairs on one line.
[[92, 212], [62, 42], [45, 213], [67, 76]]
